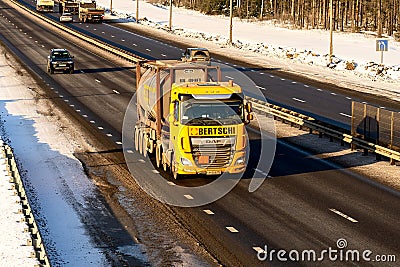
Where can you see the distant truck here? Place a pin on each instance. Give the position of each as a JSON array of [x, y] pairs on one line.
[[68, 6], [45, 5], [90, 12], [197, 125], [196, 54]]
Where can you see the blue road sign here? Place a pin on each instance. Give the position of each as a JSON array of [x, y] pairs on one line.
[[382, 45]]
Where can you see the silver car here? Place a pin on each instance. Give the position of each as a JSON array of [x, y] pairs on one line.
[[66, 17]]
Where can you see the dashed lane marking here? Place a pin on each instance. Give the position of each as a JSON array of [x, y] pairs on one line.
[[118, 143], [115, 91], [306, 86], [259, 87], [260, 171], [100, 128], [333, 94], [109, 135], [97, 80], [171, 183], [188, 196], [298, 100], [258, 249], [155, 171], [344, 114], [318, 89], [343, 215], [209, 212], [92, 122], [232, 229], [229, 77]]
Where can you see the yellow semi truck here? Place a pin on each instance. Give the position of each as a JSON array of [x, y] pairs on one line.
[[190, 119], [45, 5]]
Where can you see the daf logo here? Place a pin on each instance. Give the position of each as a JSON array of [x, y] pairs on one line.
[[213, 141]]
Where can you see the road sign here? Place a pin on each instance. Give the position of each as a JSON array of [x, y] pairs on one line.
[[382, 44]]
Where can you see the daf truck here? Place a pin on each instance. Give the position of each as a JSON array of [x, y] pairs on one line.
[[45, 5], [192, 121]]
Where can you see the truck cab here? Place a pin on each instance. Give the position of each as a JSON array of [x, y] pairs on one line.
[[195, 54]]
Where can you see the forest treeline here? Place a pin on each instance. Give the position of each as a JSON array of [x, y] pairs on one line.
[[381, 16]]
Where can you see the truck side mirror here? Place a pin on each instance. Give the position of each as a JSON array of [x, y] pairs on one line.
[[250, 117], [248, 107]]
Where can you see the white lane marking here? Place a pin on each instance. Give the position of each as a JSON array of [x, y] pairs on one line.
[[229, 77], [148, 49], [163, 55], [134, 44], [253, 71], [142, 160], [171, 183], [306, 86], [258, 250], [260, 171], [115, 91], [294, 82], [282, 79], [118, 143], [382, 107], [112, 36], [262, 88], [78, 110], [188, 196], [155, 171], [348, 97], [333, 94], [84, 115], [299, 100], [318, 89], [262, 73], [123, 40], [209, 212], [129, 151], [343, 215], [100, 128], [344, 114], [72, 106], [232, 229], [92, 122], [97, 80], [109, 135]]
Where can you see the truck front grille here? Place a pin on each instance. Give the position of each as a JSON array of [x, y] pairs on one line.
[[212, 156]]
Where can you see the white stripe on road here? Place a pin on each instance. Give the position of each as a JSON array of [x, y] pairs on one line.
[[155, 171], [170, 183], [259, 87], [209, 212], [259, 250], [348, 97], [188, 196], [232, 229], [319, 89], [344, 114], [115, 91], [229, 77], [333, 94], [262, 172], [97, 80], [343, 215], [299, 100]]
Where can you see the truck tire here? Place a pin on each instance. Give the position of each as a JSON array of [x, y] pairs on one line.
[[144, 144], [158, 156], [140, 141], [136, 137], [174, 172], [164, 162]]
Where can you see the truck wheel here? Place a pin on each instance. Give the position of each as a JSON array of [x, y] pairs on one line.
[[174, 172], [158, 156], [136, 136], [144, 144], [164, 163], [71, 71], [51, 70], [140, 142]]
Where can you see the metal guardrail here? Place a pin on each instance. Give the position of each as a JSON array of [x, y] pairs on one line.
[[28, 217], [310, 123]]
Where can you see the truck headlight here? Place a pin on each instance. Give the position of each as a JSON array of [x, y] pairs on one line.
[[186, 162], [240, 161]]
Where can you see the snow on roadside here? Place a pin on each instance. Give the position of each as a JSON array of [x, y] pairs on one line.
[[54, 179], [353, 52]]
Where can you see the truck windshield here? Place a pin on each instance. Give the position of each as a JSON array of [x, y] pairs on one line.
[[197, 113]]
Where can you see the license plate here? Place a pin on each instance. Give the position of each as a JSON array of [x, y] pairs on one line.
[[213, 172], [204, 159]]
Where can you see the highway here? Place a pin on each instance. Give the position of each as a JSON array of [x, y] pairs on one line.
[[306, 203]]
